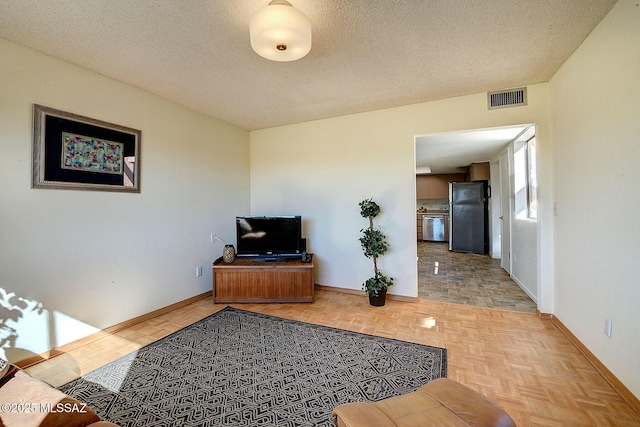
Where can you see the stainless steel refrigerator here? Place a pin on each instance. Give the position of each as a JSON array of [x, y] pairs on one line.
[[469, 217]]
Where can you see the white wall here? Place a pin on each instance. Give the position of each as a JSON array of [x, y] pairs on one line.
[[524, 257], [74, 261], [595, 105], [322, 169], [524, 242], [496, 243]]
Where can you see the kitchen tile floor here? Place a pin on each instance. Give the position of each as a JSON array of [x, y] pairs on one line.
[[467, 279]]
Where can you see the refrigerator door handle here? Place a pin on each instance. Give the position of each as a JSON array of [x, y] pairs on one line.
[[488, 191]]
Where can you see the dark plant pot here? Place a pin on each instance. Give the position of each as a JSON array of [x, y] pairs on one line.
[[379, 300]]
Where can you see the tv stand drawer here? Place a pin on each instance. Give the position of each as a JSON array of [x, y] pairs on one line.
[[246, 282]]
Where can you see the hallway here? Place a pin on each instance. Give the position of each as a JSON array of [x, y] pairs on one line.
[[467, 279]]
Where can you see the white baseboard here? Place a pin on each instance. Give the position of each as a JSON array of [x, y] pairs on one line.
[[524, 288]]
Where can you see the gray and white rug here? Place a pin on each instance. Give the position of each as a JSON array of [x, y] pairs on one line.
[[239, 368]]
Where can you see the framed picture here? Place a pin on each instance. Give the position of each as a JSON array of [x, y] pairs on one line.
[[72, 152]]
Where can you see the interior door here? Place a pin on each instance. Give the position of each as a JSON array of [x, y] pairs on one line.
[[505, 213]]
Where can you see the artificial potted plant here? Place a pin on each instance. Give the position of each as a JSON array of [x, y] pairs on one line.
[[374, 244]]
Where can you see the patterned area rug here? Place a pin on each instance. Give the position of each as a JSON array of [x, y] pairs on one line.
[[238, 368]]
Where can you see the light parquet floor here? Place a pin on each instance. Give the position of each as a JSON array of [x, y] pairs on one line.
[[524, 364]]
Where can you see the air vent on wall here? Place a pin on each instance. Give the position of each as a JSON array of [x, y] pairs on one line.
[[507, 98]]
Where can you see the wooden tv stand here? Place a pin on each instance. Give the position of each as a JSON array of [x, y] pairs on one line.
[[249, 281]]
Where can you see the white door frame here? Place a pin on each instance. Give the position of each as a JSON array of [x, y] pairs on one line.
[[505, 209]]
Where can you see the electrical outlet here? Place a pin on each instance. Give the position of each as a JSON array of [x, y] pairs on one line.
[[608, 327], [213, 236], [199, 271]]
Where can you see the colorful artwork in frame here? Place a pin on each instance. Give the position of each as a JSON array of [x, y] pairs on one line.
[[79, 153]]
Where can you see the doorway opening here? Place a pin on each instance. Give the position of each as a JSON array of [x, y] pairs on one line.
[[481, 279]]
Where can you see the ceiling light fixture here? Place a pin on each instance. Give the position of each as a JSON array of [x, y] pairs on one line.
[[279, 32]]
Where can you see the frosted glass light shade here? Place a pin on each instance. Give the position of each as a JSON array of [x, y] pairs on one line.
[[279, 32]]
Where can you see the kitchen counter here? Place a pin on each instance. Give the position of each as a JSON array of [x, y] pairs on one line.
[[434, 213]]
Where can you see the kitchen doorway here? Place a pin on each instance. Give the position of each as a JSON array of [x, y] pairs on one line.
[[466, 278]]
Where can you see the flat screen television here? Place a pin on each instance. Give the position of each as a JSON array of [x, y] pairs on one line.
[[269, 237]]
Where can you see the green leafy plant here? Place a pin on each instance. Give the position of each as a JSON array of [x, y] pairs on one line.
[[374, 244]]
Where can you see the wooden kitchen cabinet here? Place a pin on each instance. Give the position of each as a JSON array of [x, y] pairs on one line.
[[422, 187], [436, 186], [439, 186], [479, 171]]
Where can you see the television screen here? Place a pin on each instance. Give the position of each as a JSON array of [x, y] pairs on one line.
[[269, 236]]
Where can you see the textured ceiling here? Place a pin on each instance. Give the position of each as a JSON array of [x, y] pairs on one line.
[[453, 152], [366, 55]]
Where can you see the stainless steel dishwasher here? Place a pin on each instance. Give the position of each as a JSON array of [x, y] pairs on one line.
[[433, 228]]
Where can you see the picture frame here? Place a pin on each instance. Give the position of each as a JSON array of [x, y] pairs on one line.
[[73, 152]]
